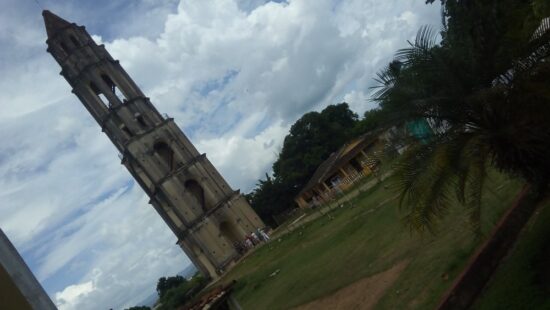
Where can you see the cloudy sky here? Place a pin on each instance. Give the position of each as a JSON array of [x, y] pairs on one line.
[[235, 74]]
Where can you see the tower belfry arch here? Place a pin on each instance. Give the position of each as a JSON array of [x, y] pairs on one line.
[[190, 195]]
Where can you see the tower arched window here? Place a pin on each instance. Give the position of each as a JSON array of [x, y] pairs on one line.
[[140, 120], [74, 41], [166, 154], [113, 87], [126, 130], [64, 47], [99, 94], [195, 190]]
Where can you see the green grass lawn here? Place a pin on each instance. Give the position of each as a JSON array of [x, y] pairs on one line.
[[522, 281], [327, 254]]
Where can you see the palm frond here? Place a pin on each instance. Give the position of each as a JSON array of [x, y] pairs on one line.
[[476, 182], [420, 50], [503, 123], [427, 175], [543, 29], [476, 156], [424, 184], [426, 37], [386, 80]]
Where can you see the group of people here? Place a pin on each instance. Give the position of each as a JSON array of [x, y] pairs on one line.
[[251, 240]]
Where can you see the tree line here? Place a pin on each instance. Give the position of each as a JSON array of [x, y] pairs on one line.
[[175, 291]]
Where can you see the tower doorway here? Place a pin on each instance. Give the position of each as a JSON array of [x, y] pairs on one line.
[[230, 232]]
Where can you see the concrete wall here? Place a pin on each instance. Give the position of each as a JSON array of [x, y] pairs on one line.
[[19, 289]]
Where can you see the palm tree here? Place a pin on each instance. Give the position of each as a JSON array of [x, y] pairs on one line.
[[501, 123]]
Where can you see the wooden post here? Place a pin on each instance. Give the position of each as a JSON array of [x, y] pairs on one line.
[[344, 172]]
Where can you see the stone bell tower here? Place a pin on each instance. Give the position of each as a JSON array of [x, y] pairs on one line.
[[206, 215]]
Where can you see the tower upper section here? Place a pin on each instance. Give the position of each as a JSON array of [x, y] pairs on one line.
[[99, 81], [71, 46], [54, 23]]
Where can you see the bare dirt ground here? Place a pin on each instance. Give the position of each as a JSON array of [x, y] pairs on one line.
[[363, 294]]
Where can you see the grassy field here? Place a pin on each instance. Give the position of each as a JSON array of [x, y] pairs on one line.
[[522, 281], [327, 254]]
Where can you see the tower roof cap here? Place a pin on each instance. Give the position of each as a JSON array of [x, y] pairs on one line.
[[53, 23]]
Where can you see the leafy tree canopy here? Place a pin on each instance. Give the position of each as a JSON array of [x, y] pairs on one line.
[[177, 296], [164, 284], [310, 141], [484, 88], [270, 197], [489, 35], [372, 120]]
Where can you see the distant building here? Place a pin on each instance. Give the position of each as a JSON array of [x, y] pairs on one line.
[[343, 168], [360, 158], [19, 289]]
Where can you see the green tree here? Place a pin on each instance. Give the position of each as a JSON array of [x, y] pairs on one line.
[[177, 296], [270, 197], [139, 308], [372, 120], [164, 284], [489, 35], [484, 113], [310, 141]]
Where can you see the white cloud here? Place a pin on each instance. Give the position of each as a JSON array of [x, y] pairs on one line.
[[245, 159], [233, 74], [359, 101], [130, 251], [69, 297]]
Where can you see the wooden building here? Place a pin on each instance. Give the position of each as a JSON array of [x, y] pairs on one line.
[[342, 169]]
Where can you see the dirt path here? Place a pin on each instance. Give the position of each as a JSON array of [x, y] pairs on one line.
[[363, 294]]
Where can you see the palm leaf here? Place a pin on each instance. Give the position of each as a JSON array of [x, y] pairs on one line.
[[542, 30]]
